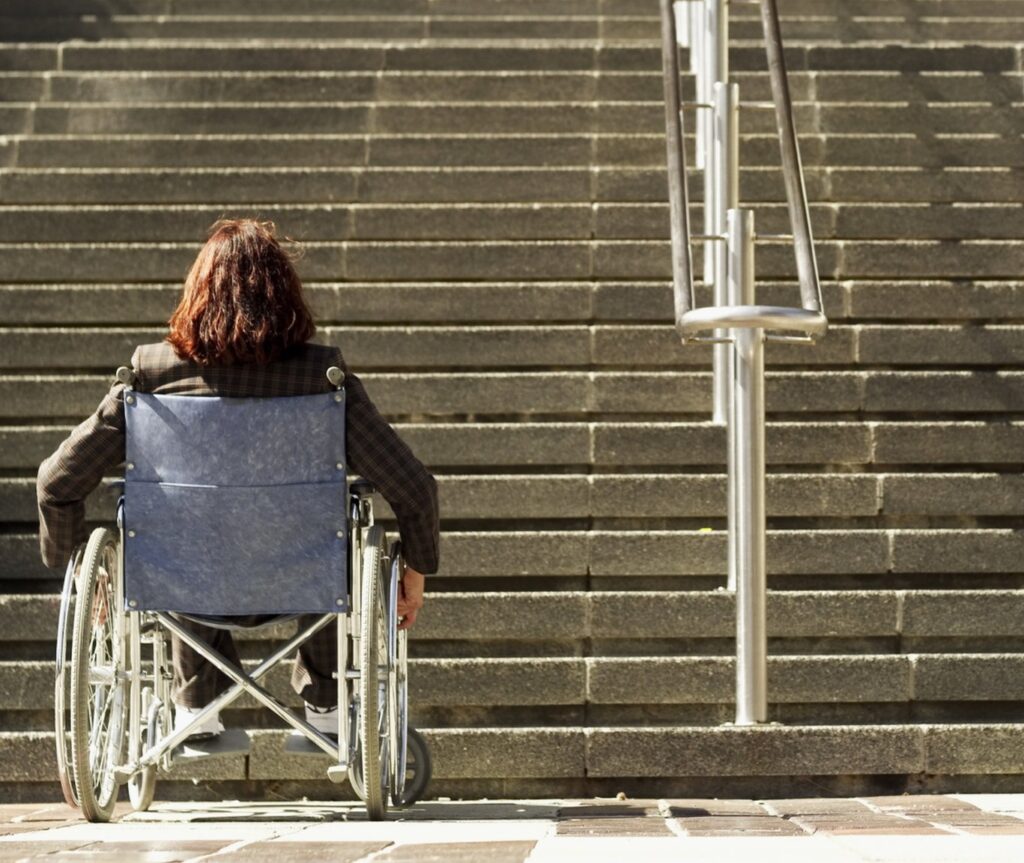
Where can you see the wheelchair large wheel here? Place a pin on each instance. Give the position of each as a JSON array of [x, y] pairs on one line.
[[397, 683], [418, 768], [62, 679], [98, 698], [373, 650]]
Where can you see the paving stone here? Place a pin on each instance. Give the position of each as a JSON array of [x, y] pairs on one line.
[[157, 851], [17, 851], [620, 826], [498, 852], [876, 826], [738, 825], [818, 807], [282, 851], [920, 803], [696, 807]]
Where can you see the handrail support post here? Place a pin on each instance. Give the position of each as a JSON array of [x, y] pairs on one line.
[[752, 585], [725, 194], [740, 292]]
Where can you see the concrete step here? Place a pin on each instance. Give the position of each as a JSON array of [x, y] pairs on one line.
[[574, 116], [637, 619], [31, 223], [613, 559], [524, 55], [288, 185], [796, 28], [645, 680], [612, 445], [388, 86], [490, 8], [604, 394], [638, 150], [445, 446], [620, 754], [546, 302], [548, 347], [647, 496], [542, 260], [510, 498], [446, 221]]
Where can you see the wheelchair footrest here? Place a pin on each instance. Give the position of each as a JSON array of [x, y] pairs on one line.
[[299, 744], [234, 741]]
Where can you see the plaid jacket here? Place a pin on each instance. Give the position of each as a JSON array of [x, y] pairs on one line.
[[374, 449]]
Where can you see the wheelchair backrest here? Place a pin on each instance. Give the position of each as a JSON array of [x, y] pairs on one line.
[[235, 505]]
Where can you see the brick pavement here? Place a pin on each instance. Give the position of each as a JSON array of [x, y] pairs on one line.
[[935, 828]]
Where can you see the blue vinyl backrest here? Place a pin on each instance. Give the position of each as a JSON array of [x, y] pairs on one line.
[[235, 505]]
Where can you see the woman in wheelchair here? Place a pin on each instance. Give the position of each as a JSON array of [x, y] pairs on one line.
[[241, 335]]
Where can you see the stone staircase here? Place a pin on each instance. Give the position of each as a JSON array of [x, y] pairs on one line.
[[479, 186]]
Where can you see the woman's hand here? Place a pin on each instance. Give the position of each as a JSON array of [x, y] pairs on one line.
[[410, 597]]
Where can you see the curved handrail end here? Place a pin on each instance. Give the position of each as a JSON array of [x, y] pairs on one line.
[[780, 318]]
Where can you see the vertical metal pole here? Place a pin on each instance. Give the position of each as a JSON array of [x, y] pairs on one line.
[[726, 197], [681, 11], [749, 525], [716, 179], [344, 700], [698, 64], [736, 265]]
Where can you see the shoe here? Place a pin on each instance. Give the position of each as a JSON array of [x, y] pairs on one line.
[[207, 729], [323, 719]]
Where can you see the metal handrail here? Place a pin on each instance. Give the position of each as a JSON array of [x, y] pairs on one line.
[[678, 196], [792, 170], [687, 323], [784, 318], [738, 327]]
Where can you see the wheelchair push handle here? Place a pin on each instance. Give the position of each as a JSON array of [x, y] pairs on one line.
[[125, 376]]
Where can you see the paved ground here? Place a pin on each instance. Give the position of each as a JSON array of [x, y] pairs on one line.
[[929, 829]]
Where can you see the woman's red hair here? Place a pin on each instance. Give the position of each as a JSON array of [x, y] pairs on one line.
[[243, 299]]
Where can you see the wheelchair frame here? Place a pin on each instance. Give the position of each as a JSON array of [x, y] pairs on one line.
[[112, 709]]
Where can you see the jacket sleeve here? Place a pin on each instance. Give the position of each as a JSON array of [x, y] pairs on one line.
[[375, 451], [93, 449]]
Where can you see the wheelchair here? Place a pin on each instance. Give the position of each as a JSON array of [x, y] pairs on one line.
[[231, 507]]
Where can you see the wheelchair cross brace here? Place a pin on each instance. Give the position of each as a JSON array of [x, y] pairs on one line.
[[247, 683]]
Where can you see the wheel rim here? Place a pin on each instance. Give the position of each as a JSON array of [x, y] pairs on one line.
[[396, 726], [107, 691], [373, 695], [418, 770], [98, 696], [62, 680]]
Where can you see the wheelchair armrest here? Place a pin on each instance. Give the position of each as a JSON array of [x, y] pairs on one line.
[[361, 488]]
